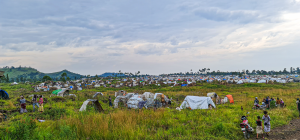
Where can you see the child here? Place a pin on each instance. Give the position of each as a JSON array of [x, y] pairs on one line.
[[41, 101], [259, 129]]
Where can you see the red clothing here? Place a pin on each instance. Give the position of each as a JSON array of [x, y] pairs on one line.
[[41, 101]]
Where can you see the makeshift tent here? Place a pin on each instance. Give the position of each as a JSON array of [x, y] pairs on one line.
[[149, 103], [95, 103], [148, 95], [197, 102], [230, 98], [61, 92], [4, 94], [56, 91], [212, 94], [133, 102], [262, 81], [120, 93], [124, 99], [162, 96], [96, 94]]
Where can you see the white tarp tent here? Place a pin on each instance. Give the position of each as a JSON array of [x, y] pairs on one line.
[[148, 95], [96, 94], [197, 102], [133, 102]]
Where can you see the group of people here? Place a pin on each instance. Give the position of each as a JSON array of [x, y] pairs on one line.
[[261, 127], [267, 101], [35, 102]]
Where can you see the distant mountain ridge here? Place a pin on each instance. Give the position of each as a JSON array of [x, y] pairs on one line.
[[31, 73]]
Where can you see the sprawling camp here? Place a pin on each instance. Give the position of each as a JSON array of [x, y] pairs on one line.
[[197, 102], [4, 94]]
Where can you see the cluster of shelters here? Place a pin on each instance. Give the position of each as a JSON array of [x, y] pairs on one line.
[[135, 100], [171, 81]]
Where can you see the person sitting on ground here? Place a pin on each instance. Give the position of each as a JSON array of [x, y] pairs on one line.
[[259, 129], [210, 106], [256, 101], [278, 102], [263, 104], [23, 105], [281, 103]]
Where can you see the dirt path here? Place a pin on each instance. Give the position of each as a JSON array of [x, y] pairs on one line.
[[287, 132]]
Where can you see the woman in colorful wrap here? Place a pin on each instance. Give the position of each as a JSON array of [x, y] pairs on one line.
[[23, 105], [41, 102], [267, 124]]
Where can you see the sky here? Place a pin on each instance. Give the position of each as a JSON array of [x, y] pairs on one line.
[[154, 37]]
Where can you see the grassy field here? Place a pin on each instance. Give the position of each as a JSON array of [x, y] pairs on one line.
[[64, 121]]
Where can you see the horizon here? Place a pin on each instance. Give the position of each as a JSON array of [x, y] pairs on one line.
[[295, 69], [153, 37]]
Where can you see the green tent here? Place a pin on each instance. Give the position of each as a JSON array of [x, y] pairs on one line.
[[56, 91]]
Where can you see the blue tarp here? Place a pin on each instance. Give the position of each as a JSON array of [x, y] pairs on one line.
[[4, 94], [184, 85]]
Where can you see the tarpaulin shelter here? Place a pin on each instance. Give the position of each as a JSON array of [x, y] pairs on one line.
[[230, 98], [97, 93], [120, 93], [4, 94], [133, 102], [148, 95], [197, 102], [56, 91], [95, 103], [124, 99], [61, 92]]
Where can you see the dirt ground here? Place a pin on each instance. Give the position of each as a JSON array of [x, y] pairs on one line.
[[287, 132]]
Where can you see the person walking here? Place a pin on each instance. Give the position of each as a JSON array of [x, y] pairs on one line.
[[34, 102], [23, 105], [298, 105], [41, 102], [259, 128], [109, 99], [267, 124]]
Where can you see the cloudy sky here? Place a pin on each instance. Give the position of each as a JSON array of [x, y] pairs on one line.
[[157, 36]]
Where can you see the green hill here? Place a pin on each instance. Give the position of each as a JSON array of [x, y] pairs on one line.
[[29, 74]]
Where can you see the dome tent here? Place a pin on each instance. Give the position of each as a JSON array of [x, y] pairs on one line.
[[197, 102]]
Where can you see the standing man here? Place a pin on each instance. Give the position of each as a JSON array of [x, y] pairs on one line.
[[298, 106], [110, 103]]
